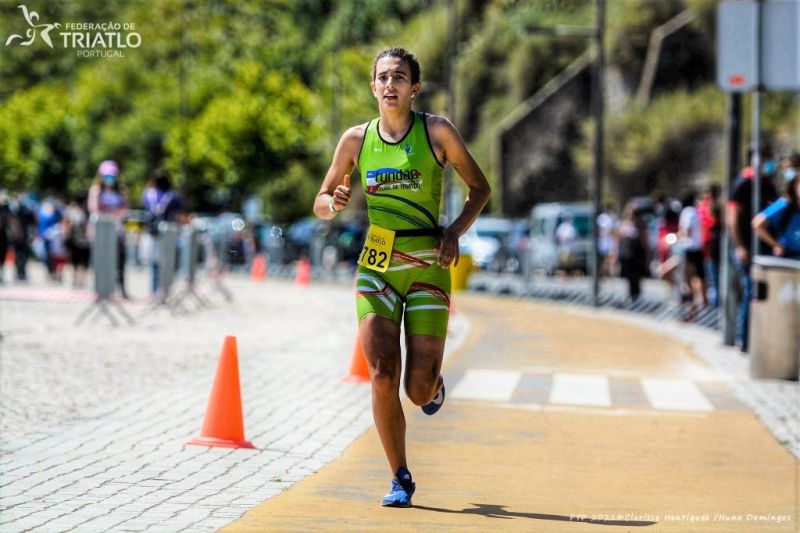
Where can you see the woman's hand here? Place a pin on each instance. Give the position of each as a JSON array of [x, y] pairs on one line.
[[341, 195], [448, 249]]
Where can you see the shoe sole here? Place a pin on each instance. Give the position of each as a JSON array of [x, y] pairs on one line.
[[438, 406], [397, 504]]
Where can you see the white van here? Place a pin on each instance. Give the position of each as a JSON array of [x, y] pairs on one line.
[[553, 249]]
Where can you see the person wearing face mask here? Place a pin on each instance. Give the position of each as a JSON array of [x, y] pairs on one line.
[[162, 204], [738, 221], [779, 224], [107, 197]]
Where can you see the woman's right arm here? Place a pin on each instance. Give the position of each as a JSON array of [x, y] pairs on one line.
[[335, 189], [761, 225]]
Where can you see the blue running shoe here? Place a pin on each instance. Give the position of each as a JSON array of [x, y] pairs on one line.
[[434, 405], [402, 490]]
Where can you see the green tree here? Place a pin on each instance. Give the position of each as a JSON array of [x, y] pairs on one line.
[[249, 136], [35, 142]]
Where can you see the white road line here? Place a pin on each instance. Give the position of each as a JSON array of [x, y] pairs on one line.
[[600, 411], [580, 389], [675, 395], [491, 385]]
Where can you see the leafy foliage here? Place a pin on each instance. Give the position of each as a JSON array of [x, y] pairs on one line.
[[248, 97]]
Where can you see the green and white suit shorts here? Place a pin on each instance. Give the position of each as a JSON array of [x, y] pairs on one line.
[[414, 286]]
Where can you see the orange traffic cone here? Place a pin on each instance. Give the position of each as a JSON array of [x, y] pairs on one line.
[[258, 272], [224, 426], [359, 370], [303, 277]]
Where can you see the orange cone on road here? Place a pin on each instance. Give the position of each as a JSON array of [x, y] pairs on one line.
[[258, 272], [303, 277], [359, 370], [224, 424]]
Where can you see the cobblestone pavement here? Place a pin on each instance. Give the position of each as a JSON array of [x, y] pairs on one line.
[[95, 418]]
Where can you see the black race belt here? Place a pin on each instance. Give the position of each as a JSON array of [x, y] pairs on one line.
[[420, 232]]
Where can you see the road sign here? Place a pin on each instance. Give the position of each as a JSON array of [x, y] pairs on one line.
[[780, 42], [758, 43]]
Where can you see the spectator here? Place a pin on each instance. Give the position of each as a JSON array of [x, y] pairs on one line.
[[710, 213], [48, 228], [5, 221], [162, 204], [21, 228], [566, 235], [668, 218], [633, 250], [76, 236], [607, 227], [107, 197], [779, 224], [738, 221], [691, 239], [790, 167]]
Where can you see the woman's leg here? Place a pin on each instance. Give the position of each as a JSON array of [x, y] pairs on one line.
[[380, 338], [423, 367]]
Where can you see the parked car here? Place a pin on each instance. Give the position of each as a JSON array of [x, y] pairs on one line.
[[514, 249], [553, 246], [303, 238], [483, 241]]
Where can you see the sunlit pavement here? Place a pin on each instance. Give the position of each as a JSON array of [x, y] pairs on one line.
[[562, 421], [557, 418]]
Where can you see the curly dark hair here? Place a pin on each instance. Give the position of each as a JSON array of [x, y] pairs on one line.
[[405, 56]]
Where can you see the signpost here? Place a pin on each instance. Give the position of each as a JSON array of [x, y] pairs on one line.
[[758, 49]]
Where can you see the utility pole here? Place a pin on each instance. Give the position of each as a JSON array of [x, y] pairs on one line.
[[183, 100], [728, 283], [452, 44], [599, 151], [597, 32], [756, 133]]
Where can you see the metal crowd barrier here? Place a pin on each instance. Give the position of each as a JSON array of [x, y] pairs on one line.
[[104, 264]]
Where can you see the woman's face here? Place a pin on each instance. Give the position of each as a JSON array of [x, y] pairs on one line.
[[392, 85]]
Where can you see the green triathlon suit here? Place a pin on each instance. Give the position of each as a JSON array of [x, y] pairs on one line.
[[403, 186]]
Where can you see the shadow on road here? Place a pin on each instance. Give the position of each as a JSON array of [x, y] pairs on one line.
[[499, 511]]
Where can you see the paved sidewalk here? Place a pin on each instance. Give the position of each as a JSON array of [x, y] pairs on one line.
[[95, 418]]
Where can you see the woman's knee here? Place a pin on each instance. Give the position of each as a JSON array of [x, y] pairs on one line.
[[380, 340], [420, 390], [385, 382]]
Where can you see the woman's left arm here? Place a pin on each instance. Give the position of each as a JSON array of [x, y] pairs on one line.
[[446, 137]]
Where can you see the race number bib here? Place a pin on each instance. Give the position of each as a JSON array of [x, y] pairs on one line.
[[377, 249]]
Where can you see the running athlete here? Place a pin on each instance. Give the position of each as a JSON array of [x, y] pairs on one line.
[[404, 266]]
